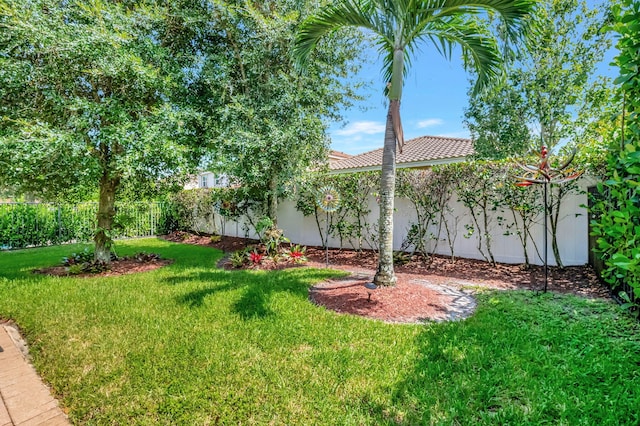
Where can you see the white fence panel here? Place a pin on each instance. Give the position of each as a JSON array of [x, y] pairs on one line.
[[572, 230]]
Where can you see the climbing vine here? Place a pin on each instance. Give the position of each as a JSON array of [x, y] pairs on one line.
[[348, 223], [492, 205], [525, 209]]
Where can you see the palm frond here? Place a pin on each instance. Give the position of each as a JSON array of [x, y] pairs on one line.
[[403, 24], [349, 13], [514, 13], [480, 49]]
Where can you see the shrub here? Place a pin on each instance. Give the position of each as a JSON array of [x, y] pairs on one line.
[[239, 258], [617, 222], [40, 224], [145, 257], [78, 258], [401, 258], [75, 269]]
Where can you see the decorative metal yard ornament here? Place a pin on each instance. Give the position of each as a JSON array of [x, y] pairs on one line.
[[370, 289], [328, 199], [544, 174]]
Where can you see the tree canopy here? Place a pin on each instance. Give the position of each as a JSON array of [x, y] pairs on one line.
[[549, 94], [270, 121], [89, 102]]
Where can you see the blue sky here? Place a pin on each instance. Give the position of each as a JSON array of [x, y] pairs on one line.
[[433, 102]]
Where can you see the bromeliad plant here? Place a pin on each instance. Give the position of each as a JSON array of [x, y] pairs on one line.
[[239, 258], [296, 254], [256, 258], [271, 237]]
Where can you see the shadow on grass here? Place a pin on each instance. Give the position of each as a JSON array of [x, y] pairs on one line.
[[524, 358], [257, 287]]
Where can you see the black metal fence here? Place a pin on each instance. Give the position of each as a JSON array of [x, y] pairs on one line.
[[41, 224]]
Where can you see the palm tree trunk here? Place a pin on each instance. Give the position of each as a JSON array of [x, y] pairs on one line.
[[385, 275]]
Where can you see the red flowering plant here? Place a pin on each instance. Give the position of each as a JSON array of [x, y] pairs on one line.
[[255, 257], [296, 254]]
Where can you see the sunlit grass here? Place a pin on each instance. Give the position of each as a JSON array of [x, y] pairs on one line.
[[192, 344]]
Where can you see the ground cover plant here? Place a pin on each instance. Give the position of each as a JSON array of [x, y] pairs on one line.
[[193, 344]]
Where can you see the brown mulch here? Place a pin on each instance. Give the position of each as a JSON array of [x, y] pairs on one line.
[[117, 267], [424, 290]]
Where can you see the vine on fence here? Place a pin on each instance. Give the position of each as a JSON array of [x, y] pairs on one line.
[[477, 190], [448, 218], [188, 209], [348, 223], [487, 191], [525, 207], [422, 189]]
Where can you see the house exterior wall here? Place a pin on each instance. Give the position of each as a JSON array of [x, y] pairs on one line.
[[572, 232], [207, 180]]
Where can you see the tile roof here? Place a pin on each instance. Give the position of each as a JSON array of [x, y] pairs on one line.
[[417, 152], [338, 154]]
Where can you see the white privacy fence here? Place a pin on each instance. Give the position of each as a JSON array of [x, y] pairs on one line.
[[573, 241]]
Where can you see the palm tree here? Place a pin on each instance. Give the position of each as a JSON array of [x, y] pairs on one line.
[[399, 26]]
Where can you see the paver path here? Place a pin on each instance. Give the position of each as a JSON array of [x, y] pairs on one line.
[[24, 399]]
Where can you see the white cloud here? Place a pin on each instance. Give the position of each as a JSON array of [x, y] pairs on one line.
[[429, 122], [361, 127]]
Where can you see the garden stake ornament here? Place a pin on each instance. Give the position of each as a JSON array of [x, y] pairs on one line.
[[329, 201], [544, 174]]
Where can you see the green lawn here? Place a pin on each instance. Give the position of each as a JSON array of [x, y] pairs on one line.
[[191, 344]]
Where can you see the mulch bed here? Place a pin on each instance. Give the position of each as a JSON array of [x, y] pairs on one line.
[[423, 291], [117, 267], [437, 290]]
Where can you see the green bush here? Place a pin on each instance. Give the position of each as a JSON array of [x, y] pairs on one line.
[[618, 227], [617, 223]]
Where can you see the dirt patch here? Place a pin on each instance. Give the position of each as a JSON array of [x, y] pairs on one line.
[[438, 290], [580, 280], [409, 301], [226, 244]]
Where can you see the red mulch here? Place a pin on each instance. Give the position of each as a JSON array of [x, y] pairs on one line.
[[421, 290], [117, 267]]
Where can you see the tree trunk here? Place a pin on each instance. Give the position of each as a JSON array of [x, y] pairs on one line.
[[385, 275], [106, 213], [554, 218], [273, 200]]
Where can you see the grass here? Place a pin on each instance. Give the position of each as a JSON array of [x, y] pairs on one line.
[[191, 344]]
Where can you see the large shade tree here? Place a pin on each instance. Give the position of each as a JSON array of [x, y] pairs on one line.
[[399, 27], [269, 121], [87, 102]]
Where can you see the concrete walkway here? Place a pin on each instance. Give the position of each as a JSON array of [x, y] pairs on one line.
[[24, 399]]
